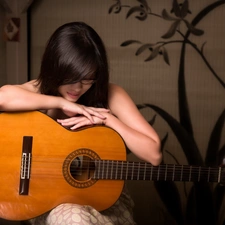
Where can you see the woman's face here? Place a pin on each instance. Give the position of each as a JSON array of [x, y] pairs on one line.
[[72, 92]]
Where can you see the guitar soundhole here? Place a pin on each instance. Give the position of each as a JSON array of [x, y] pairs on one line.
[[79, 167], [82, 168]]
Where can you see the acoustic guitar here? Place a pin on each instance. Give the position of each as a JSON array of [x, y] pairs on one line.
[[43, 164]]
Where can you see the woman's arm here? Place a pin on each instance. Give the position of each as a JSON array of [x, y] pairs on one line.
[[27, 97], [126, 119]]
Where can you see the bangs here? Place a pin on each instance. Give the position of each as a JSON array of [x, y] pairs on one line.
[[76, 69]]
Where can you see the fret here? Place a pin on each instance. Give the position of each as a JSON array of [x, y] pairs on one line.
[[222, 175], [144, 171], [103, 163], [199, 173], [158, 172], [161, 175], [124, 170], [215, 174], [112, 170], [170, 173], [187, 173], [155, 172], [138, 171], [190, 173], [166, 173], [116, 170], [127, 170], [132, 174], [208, 174], [96, 169], [121, 172], [195, 173], [99, 168], [173, 172], [151, 172], [181, 176], [107, 169], [219, 174], [141, 171]]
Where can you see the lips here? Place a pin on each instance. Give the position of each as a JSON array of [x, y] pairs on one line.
[[73, 95]]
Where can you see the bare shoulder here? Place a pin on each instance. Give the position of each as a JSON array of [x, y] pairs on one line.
[[116, 91], [119, 98], [30, 86]]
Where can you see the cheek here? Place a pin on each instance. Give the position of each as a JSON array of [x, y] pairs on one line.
[[62, 89], [86, 88]]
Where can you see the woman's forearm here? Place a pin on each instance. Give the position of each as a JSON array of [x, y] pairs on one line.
[[141, 145], [13, 98]]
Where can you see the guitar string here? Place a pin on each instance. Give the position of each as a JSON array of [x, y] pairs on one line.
[[144, 168], [142, 165]]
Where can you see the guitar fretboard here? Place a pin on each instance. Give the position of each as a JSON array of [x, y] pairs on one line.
[[124, 170]]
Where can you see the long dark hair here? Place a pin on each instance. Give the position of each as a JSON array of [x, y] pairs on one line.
[[73, 52]]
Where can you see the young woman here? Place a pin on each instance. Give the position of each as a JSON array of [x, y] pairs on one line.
[[73, 88]]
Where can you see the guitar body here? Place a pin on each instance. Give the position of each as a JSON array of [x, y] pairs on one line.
[[53, 150]]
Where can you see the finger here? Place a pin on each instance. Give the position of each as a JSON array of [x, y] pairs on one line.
[[80, 124], [68, 120], [95, 113], [71, 121], [87, 114], [100, 109]]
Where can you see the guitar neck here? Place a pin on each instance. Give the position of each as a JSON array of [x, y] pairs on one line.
[[124, 170]]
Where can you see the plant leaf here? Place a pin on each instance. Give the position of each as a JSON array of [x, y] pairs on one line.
[[145, 4], [116, 7], [166, 16], [193, 30], [171, 30], [143, 48], [142, 17], [218, 195], [153, 54], [176, 8], [152, 121], [202, 48], [129, 42], [134, 10], [184, 9], [186, 141], [165, 55], [140, 106], [200, 208], [163, 141], [170, 196], [214, 141], [221, 158]]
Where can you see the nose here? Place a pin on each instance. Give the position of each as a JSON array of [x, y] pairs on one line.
[[76, 86]]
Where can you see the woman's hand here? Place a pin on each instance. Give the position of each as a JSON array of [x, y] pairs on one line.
[[80, 121], [72, 109]]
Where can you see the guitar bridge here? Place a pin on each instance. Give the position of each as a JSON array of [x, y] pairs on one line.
[[25, 165]]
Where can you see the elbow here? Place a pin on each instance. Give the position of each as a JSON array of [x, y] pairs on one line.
[[157, 155], [3, 96], [157, 159]]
